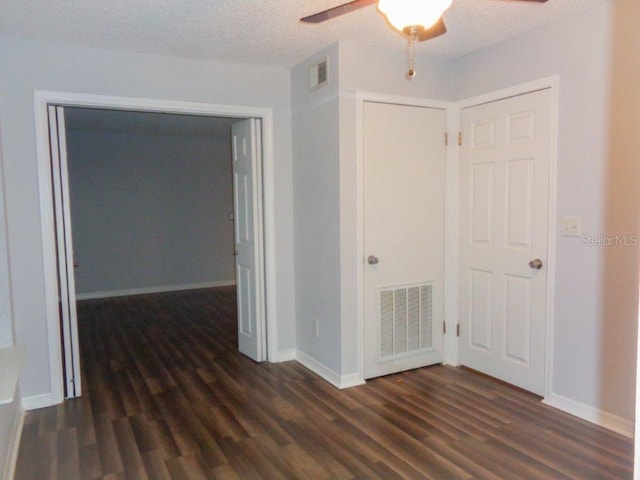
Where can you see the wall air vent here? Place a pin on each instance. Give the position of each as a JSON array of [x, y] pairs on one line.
[[318, 75]]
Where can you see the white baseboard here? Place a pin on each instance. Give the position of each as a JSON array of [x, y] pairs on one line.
[[351, 380], [14, 445], [335, 379], [287, 355], [34, 402], [158, 289], [594, 415]]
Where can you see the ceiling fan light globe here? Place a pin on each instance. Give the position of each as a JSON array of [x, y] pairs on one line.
[[408, 13]]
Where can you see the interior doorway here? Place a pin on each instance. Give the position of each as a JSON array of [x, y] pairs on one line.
[[57, 231]]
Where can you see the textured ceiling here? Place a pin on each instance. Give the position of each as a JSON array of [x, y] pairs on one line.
[[261, 31]]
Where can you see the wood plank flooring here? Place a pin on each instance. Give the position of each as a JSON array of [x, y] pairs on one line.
[[167, 396]]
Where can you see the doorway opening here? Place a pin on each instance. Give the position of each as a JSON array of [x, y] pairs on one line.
[[250, 132]]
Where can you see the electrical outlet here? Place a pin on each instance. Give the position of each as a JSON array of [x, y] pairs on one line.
[[314, 326], [571, 226]]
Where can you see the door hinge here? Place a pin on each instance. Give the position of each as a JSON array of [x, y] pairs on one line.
[[446, 139], [457, 330], [444, 328], [460, 138]]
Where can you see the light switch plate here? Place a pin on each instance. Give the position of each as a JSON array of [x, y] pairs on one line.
[[571, 226]]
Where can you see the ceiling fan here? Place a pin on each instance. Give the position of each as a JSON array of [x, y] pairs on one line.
[[418, 20]]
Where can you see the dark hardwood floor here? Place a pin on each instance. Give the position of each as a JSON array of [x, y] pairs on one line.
[[167, 396]]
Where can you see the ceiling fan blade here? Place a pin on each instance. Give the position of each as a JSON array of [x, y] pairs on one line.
[[434, 31], [337, 11]]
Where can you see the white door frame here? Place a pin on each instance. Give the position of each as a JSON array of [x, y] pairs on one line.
[[44, 98], [361, 97], [552, 83]]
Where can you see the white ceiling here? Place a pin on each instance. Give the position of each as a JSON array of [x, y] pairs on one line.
[[263, 32]]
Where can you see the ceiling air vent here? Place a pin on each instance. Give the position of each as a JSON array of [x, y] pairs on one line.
[[318, 75]]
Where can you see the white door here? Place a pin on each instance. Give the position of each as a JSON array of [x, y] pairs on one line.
[[247, 165], [64, 250], [505, 157], [404, 187]]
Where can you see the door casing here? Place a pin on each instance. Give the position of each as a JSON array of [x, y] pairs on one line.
[[500, 335], [404, 171], [551, 83], [42, 99], [361, 98]]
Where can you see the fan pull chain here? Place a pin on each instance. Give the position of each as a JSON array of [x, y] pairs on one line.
[[411, 72]]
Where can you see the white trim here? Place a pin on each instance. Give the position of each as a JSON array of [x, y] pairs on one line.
[[48, 250], [256, 161], [351, 380], [66, 283], [591, 414], [158, 289], [14, 444], [361, 97], [69, 99], [552, 83], [74, 378], [41, 100], [11, 360], [365, 96], [452, 237], [318, 368], [287, 355], [513, 91], [360, 325], [269, 226], [34, 402], [324, 372]]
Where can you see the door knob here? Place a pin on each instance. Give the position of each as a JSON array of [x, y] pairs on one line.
[[372, 260], [536, 264]]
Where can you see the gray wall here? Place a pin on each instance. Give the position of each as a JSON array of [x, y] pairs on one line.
[[317, 213], [149, 211]]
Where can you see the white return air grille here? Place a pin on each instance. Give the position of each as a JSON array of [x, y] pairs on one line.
[[406, 320]]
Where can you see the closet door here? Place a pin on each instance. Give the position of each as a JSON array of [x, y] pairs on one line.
[[404, 193], [504, 203], [64, 250]]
